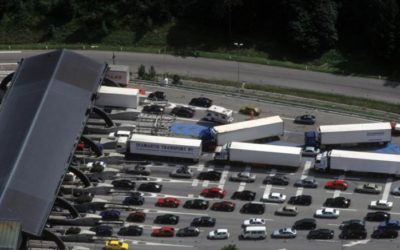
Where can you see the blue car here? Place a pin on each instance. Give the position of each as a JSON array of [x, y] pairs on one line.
[[110, 214], [390, 225], [305, 119]]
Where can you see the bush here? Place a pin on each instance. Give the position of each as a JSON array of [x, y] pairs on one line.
[[141, 72], [176, 80], [230, 247], [152, 74]]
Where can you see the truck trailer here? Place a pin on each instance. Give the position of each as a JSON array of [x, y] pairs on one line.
[[248, 130], [259, 154], [164, 146], [118, 74], [354, 161], [117, 97]]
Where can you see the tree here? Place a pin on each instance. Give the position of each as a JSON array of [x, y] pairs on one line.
[[141, 72], [152, 73], [176, 80], [230, 247]]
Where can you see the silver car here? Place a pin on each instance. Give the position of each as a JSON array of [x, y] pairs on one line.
[[284, 233], [243, 177], [287, 210], [182, 172]]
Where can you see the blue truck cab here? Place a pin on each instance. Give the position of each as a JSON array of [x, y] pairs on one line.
[[311, 139]]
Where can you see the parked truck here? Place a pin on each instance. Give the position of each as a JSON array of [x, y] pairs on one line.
[[259, 154], [349, 135], [117, 97], [164, 146], [118, 74], [248, 130], [354, 161]]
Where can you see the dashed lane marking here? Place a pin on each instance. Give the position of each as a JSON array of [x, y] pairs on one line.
[[205, 183], [341, 192], [148, 243], [386, 191], [223, 177], [336, 193], [242, 186]]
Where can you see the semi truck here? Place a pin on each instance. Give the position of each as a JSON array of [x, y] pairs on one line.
[[354, 161], [118, 74], [258, 154], [350, 134], [248, 130], [164, 146], [117, 97]]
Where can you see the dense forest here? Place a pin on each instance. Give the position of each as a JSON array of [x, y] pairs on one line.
[[303, 29]]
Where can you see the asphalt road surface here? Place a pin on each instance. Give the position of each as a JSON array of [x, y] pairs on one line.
[[227, 70]]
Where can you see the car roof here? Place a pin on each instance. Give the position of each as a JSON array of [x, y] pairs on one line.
[[222, 230]]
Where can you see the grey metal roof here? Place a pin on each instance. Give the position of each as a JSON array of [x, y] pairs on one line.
[[42, 117]]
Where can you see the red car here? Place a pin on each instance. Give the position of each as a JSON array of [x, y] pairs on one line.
[[213, 192], [168, 202], [163, 232], [136, 217], [226, 206], [337, 184]]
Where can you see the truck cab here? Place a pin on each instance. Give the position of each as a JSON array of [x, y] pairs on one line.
[[321, 161], [221, 153], [218, 114], [310, 139]]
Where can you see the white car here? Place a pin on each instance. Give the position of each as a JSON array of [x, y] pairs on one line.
[[254, 222], [119, 133], [310, 151], [273, 197], [381, 205], [218, 234], [243, 177], [327, 213]]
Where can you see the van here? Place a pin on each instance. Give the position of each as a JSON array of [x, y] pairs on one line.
[[218, 114], [254, 232]]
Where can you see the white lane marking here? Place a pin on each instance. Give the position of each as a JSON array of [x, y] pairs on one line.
[[205, 183], [201, 167], [336, 193], [148, 243], [157, 211], [195, 182], [279, 188], [223, 177], [268, 187], [334, 225], [394, 213], [307, 166], [10, 51], [386, 191], [287, 118], [333, 192], [330, 241], [357, 242], [190, 196], [242, 186], [299, 191]]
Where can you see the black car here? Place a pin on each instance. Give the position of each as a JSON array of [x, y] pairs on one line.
[[305, 224], [183, 112], [188, 231], [245, 195], [196, 204], [337, 202], [123, 184], [201, 102], [153, 109], [133, 200], [305, 119], [204, 221], [282, 180], [321, 233], [225, 206], [169, 219], [384, 234], [307, 183], [157, 96], [352, 224], [130, 231], [210, 176], [150, 187], [102, 230], [353, 234], [377, 216], [303, 199], [253, 208]]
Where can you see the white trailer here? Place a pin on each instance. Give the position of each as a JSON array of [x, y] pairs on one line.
[[259, 154], [117, 97], [218, 114], [354, 161], [118, 74], [379, 132], [165, 146], [248, 130]]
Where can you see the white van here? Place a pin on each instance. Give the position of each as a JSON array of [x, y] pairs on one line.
[[254, 232], [218, 114]]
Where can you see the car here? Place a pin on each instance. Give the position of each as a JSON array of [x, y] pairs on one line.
[[102, 230], [305, 224], [353, 224], [218, 234], [137, 216], [377, 216], [306, 183], [245, 195], [181, 111], [150, 187], [226, 206], [250, 110], [130, 231], [304, 200], [321, 233], [163, 232], [111, 214], [138, 170], [153, 109], [390, 224], [204, 221], [305, 119], [310, 151], [253, 208], [169, 219], [369, 188], [273, 197], [353, 234], [287, 211], [213, 192], [196, 204], [210, 175], [331, 213], [243, 177], [395, 191], [337, 202], [384, 234], [381, 205], [188, 231], [337, 184], [133, 200], [157, 96], [168, 202], [182, 172], [123, 184], [285, 233], [280, 179], [254, 222], [201, 102], [96, 166], [116, 245]]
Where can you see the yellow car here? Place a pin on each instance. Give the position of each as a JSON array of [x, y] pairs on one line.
[[116, 245], [248, 110]]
